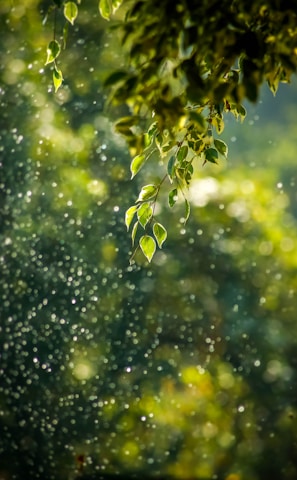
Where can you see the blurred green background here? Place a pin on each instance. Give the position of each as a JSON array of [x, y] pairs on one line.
[[185, 368]]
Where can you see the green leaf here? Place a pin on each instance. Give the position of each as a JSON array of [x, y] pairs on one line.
[[148, 246], [115, 77], [136, 164], [134, 231], [116, 4], [70, 12], [153, 129], [218, 123], [53, 50], [182, 153], [65, 34], [126, 121], [199, 120], [170, 167], [147, 192], [172, 197], [221, 147], [241, 111], [129, 215], [57, 78], [188, 210], [160, 233], [105, 9], [211, 155], [144, 214]]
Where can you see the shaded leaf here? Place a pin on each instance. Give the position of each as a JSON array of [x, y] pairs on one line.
[[199, 120], [136, 164], [129, 215], [53, 50], [188, 210], [65, 34], [144, 214], [221, 146], [172, 197], [241, 111], [211, 155], [147, 192], [127, 121], [115, 77], [182, 153], [160, 233], [70, 11], [170, 167], [148, 246]]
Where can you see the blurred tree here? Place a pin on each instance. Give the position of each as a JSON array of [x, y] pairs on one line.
[[185, 368]]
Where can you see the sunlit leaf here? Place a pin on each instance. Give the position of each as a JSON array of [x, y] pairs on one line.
[[152, 129], [211, 155], [57, 78], [218, 123], [160, 233], [147, 192], [129, 215], [70, 11], [136, 164], [116, 4], [105, 8], [53, 50], [144, 214], [148, 246], [172, 197], [221, 146], [134, 231]]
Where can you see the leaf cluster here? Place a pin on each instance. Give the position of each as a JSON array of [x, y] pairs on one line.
[[190, 63]]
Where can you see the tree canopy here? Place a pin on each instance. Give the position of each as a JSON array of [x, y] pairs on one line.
[[188, 63]]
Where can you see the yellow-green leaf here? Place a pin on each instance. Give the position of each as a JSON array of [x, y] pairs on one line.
[[144, 214], [53, 51], [148, 246], [136, 164], [105, 9], [188, 210], [57, 78], [147, 192], [129, 215], [70, 11], [160, 233], [134, 231]]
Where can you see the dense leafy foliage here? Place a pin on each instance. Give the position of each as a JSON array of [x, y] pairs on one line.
[[188, 64]]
